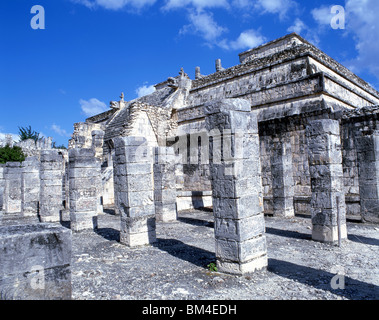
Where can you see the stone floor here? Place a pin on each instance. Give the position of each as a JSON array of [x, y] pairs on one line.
[[175, 268]]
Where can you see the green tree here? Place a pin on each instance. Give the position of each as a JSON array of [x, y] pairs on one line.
[[28, 133], [8, 154], [58, 147]]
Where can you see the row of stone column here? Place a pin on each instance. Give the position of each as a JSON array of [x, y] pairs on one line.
[[144, 182], [145, 188], [324, 142], [36, 186], [328, 208]]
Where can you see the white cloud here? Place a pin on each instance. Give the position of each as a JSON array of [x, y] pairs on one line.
[[57, 129], [198, 4], [93, 107], [115, 4], [298, 26], [145, 90], [15, 137], [203, 24], [362, 22], [322, 15], [247, 40], [302, 29], [280, 7]]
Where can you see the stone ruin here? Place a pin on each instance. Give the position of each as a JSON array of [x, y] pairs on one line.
[[287, 131]]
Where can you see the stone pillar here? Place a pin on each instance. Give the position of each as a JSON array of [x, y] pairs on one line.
[[282, 178], [325, 165], [35, 262], [97, 146], [236, 186], [30, 186], [134, 194], [2, 185], [84, 171], [368, 165], [164, 184], [197, 73], [219, 65], [51, 175], [12, 188]]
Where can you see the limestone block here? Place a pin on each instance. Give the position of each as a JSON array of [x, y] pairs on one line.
[[2, 184], [30, 186], [326, 180], [236, 187], [84, 171], [35, 262], [12, 188]]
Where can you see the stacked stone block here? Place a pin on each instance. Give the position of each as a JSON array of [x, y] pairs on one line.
[[236, 186], [97, 146], [84, 172], [30, 186], [328, 198], [134, 191], [35, 262], [164, 184], [2, 185], [282, 179], [12, 188], [51, 177], [367, 145]]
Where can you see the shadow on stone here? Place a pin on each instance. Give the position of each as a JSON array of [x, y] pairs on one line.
[[66, 224], [183, 251], [364, 240], [108, 234], [111, 212], [196, 222], [303, 215], [205, 209], [288, 234], [322, 280]]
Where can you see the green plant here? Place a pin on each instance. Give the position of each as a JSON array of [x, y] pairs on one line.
[[14, 154], [212, 267], [58, 147], [28, 133]]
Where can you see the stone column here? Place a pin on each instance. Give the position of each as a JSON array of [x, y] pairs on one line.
[[2, 185], [236, 186], [368, 165], [282, 178], [12, 188], [30, 186], [84, 171], [97, 146], [51, 175], [164, 184], [325, 165], [134, 194], [97, 142]]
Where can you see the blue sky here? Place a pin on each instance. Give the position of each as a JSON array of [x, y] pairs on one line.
[[92, 50]]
